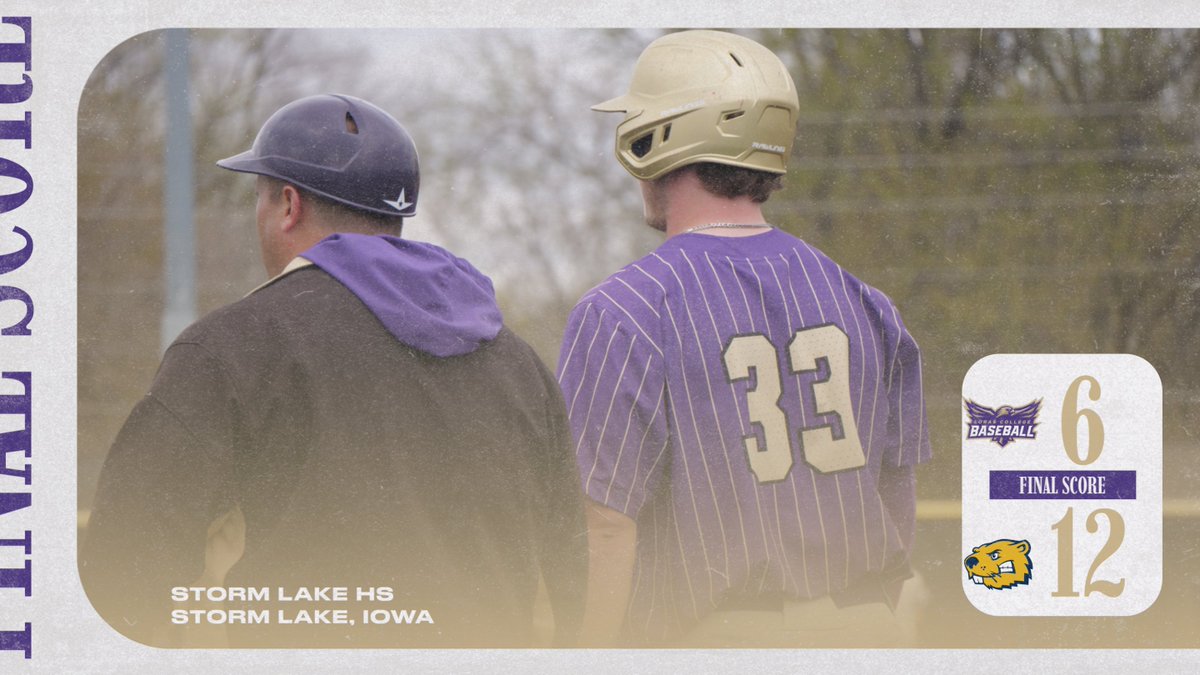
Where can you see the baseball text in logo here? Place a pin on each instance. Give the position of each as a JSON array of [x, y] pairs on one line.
[[1004, 424]]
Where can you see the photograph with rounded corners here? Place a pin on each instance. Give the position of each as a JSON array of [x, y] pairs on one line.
[[558, 338]]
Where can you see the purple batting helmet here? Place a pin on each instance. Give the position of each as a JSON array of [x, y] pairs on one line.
[[341, 148]]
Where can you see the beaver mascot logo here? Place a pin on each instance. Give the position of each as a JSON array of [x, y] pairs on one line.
[[1003, 563]]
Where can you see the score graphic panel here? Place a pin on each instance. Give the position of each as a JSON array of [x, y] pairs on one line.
[[1062, 485]]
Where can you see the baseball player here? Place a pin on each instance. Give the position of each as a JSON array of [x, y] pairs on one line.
[[747, 413], [364, 417]]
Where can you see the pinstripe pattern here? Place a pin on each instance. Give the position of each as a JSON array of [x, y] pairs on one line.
[[660, 422]]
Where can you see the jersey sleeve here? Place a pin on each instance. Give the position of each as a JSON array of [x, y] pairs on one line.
[[612, 379], [166, 477], [908, 427]]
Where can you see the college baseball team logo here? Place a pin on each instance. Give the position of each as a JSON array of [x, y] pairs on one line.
[[1002, 425], [999, 564]]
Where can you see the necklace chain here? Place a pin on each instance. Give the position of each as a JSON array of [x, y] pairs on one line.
[[731, 226]]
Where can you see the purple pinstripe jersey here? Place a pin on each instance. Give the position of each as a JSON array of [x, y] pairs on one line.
[[739, 398]]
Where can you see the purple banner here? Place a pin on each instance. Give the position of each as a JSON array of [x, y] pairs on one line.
[[1064, 485]]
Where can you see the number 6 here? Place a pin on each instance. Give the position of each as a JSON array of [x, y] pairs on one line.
[[1070, 422]]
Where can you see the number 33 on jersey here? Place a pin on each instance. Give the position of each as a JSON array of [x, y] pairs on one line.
[[1062, 485], [830, 445]]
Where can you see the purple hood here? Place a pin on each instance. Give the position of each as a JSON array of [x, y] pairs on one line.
[[428, 298]]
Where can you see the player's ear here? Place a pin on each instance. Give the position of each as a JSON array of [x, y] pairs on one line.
[[293, 207]]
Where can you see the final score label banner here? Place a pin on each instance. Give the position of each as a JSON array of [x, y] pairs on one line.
[[1062, 485]]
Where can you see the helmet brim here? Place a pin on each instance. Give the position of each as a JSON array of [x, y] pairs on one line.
[[245, 162], [622, 103]]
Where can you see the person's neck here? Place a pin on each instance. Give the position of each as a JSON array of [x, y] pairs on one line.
[[691, 207]]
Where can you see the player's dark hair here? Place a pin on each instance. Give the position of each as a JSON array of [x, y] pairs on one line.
[[735, 181], [345, 217], [342, 217]]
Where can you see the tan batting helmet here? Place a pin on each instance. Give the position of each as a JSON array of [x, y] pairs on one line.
[[705, 96]]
